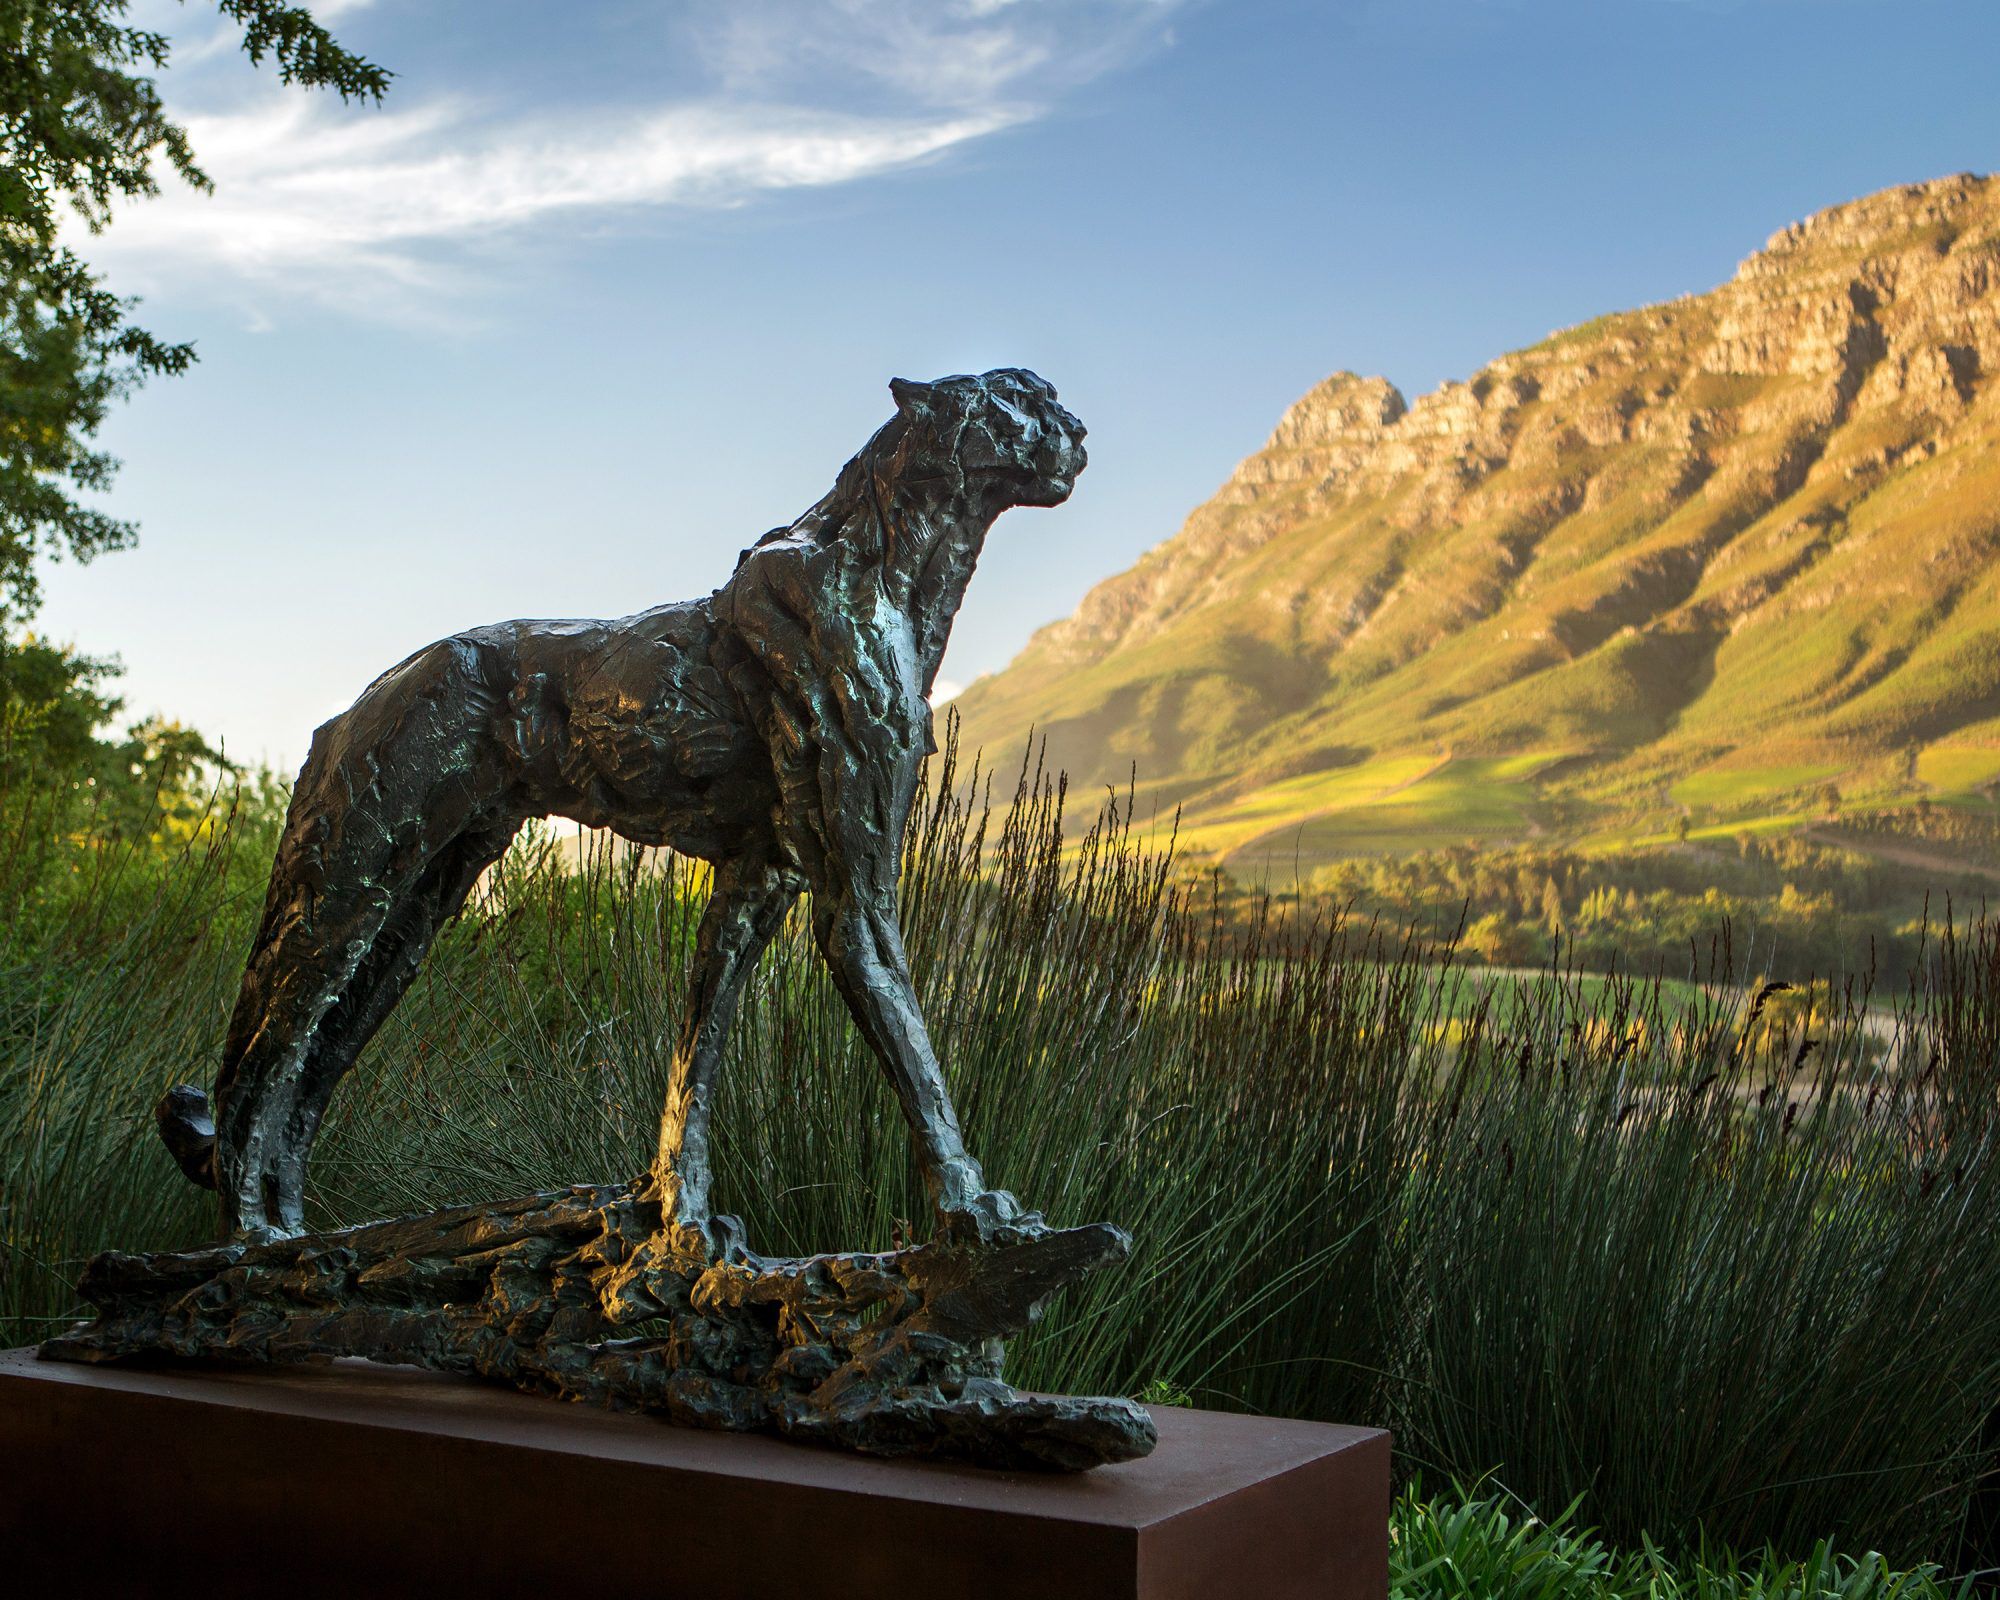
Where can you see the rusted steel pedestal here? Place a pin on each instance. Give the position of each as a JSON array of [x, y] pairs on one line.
[[352, 1478]]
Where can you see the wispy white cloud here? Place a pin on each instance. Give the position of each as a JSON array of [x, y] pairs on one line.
[[940, 52], [378, 209], [362, 210]]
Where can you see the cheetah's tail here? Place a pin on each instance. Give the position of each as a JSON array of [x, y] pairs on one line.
[[187, 1128]]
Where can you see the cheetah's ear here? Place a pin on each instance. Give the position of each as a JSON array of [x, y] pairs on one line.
[[911, 397]]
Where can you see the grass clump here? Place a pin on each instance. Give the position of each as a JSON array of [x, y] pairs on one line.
[[1468, 1546]]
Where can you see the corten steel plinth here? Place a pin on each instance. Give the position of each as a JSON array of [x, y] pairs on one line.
[[351, 1478], [775, 729]]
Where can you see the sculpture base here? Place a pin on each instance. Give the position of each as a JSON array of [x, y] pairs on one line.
[[349, 1478], [895, 1353]]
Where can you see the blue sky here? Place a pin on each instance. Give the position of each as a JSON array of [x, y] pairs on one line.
[[605, 289]]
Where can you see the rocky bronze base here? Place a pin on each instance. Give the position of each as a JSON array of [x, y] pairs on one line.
[[891, 1354]]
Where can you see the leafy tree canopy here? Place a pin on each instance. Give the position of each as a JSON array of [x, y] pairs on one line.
[[158, 777], [82, 126]]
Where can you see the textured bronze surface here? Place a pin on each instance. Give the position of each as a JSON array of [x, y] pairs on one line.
[[354, 1479], [775, 729], [892, 1354]]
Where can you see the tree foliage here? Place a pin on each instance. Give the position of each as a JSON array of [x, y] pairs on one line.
[[57, 773], [82, 126]]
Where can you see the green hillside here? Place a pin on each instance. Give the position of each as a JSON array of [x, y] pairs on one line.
[[1725, 563]]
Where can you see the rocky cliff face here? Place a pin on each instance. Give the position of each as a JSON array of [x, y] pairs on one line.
[[1747, 532]]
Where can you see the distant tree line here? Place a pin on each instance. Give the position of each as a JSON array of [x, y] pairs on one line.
[[1795, 908]]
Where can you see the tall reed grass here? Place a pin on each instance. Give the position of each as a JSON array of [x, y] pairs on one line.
[[1713, 1261]]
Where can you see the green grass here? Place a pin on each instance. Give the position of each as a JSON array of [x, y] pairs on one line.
[[1291, 801], [1635, 1243], [1764, 826], [1465, 1546], [1392, 804], [1462, 801], [1958, 769], [1739, 787]]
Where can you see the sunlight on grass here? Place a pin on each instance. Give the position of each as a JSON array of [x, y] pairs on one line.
[[1957, 769], [1396, 803], [1743, 786]]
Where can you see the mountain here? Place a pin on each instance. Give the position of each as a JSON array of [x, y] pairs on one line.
[[1724, 562]]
